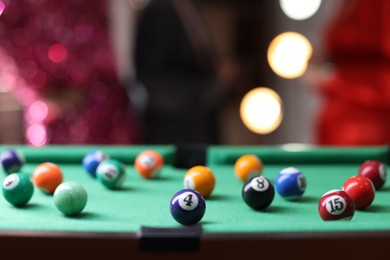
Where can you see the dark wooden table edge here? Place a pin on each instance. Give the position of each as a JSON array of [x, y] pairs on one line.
[[126, 245]]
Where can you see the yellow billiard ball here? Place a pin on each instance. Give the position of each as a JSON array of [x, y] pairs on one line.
[[248, 166], [201, 179]]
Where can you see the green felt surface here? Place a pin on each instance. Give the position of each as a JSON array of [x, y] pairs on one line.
[[74, 154], [146, 202], [298, 153]]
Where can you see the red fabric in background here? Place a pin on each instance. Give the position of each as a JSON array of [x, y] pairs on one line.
[[357, 104]]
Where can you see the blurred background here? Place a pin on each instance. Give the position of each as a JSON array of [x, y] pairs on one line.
[[250, 50], [245, 30]]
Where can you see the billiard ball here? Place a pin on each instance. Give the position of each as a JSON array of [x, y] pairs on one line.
[[336, 205], [201, 179], [375, 171], [18, 189], [92, 160], [111, 173], [187, 206], [248, 166], [290, 183], [70, 198], [258, 193], [361, 190], [11, 161], [149, 164], [47, 176]]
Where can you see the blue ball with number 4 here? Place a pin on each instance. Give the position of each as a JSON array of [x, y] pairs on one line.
[[187, 206]]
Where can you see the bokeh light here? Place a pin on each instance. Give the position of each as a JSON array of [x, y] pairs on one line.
[[2, 7], [38, 111], [57, 53], [261, 110], [36, 135], [288, 54], [300, 9]]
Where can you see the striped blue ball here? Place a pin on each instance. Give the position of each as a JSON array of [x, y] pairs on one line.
[[290, 183]]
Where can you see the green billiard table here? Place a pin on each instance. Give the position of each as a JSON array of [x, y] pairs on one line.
[[135, 221]]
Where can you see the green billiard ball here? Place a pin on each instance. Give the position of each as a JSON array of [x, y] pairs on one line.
[[70, 198], [111, 173], [18, 189]]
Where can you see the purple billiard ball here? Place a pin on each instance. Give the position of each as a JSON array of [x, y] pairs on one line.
[[11, 161], [187, 207]]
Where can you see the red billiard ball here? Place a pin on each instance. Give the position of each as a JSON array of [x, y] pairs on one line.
[[361, 190], [149, 164], [375, 171], [335, 205]]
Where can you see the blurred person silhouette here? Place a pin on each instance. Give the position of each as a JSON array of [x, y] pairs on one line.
[[57, 57], [356, 86], [177, 65]]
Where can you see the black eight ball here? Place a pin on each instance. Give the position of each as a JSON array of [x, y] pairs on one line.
[[258, 193]]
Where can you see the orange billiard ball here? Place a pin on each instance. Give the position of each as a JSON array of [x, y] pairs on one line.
[[201, 179], [248, 166], [47, 176], [149, 164]]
